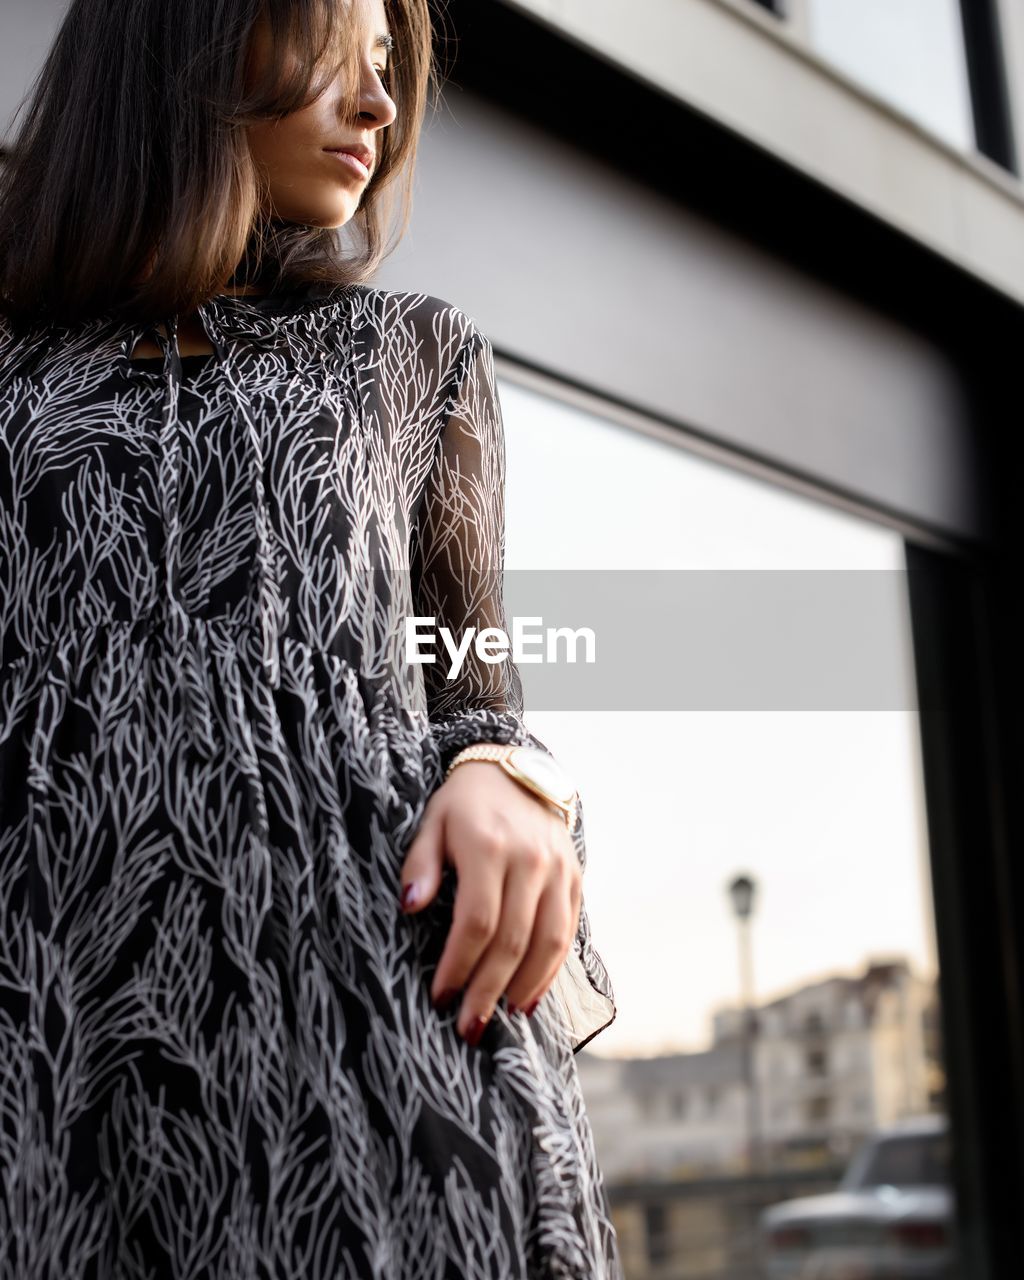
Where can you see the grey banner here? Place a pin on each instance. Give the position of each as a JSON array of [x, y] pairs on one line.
[[731, 640]]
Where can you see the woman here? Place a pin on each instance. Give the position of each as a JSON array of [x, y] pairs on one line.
[[291, 974]]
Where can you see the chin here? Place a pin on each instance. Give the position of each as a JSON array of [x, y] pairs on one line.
[[341, 219], [326, 218]]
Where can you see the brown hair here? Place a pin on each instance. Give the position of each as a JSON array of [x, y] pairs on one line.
[[130, 188]]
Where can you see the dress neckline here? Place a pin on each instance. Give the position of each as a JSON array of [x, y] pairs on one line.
[[246, 315]]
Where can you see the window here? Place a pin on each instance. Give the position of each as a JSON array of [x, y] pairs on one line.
[[817, 1062], [908, 1162], [909, 52], [656, 1227], [821, 807]]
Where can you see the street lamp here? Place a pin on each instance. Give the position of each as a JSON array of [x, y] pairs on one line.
[[741, 891]]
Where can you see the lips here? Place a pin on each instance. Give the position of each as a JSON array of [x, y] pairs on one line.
[[363, 154]]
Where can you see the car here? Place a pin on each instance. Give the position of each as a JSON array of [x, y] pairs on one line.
[[890, 1218]]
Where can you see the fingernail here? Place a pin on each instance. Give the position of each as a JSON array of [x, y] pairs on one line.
[[411, 895], [529, 1011], [475, 1030], [445, 998]]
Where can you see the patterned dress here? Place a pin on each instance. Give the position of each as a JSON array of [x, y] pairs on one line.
[[218, 1053]]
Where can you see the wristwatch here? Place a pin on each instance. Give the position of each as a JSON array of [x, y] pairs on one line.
[[533, 769]]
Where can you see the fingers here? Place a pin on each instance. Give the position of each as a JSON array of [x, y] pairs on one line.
[[517, 900], [478, 901], [534, 993], [511, 917], [424, 863], [548, 943], [503, 952]]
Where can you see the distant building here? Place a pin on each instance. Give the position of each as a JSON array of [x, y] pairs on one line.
[[832, 1061]]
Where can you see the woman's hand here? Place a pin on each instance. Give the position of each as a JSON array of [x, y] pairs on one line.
[[517, 902]]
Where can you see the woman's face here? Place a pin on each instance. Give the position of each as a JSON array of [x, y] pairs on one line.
[[309, 184]]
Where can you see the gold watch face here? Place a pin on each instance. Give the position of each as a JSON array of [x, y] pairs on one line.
[[543, 772]]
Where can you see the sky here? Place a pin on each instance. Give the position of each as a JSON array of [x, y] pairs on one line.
[[824, 809]]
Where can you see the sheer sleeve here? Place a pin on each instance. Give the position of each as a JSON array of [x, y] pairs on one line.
[[457, 558]]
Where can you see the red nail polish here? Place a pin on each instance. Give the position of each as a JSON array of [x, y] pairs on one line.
[[445, 998], [410, 895], [475, 1030], [529, 1011]]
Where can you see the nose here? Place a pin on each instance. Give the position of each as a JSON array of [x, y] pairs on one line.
[[375, 102]]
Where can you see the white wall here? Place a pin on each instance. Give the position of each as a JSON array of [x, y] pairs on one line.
[[569, 263], [27, 28], [739, 64]]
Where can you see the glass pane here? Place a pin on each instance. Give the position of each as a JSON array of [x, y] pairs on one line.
[[724, 1136], [906, 1162], [909, 52]]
